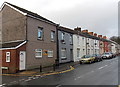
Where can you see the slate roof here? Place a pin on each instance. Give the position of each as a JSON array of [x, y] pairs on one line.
[[61, 28], [30, 13], [11, 44]]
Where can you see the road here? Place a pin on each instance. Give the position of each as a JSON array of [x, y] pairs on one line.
[[100, 73]]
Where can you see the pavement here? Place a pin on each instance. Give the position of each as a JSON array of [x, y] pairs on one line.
[[10, 79], [100, 73], [47, 70]]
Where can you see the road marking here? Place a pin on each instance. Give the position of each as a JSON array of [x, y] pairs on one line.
[[28, 80], [84, 75], [100, 67], [21, 79], [106, 65], [58, 85]]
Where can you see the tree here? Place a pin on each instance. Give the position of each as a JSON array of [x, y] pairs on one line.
[[116, 39]]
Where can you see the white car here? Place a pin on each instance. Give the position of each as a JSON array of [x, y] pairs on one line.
[[106, 55]]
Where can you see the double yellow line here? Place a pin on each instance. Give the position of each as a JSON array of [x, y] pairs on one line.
[[71, 68]]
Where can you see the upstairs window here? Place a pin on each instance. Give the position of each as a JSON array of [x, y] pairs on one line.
[[52, 35], [71, 39], [78, 40], [7, 56], [40, 33], [63, 36]]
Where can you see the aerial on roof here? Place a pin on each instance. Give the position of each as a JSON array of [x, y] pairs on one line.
[[30, 13]]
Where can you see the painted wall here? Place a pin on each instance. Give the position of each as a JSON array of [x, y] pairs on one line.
[[101, 47], [66, 45], [96, 46], [106, 47], [113, 48], [90, 46], [78, 43]]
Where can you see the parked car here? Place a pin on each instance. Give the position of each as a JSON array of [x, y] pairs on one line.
[[98, 57], [87, 59], [107, 55], [113, 55]]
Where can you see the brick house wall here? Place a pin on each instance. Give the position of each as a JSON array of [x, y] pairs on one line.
[[45, 44], [13, 65], [12, 23]]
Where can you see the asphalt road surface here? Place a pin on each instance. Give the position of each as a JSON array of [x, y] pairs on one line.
[[100, 73]]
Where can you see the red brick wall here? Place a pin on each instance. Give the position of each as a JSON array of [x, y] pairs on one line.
[[13, 65]]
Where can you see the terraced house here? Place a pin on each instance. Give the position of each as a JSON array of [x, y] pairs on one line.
[[79, 44], [65, 44], [96, 44], [28, 40]]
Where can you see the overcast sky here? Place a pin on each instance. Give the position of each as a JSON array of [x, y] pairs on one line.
[[99, 16]]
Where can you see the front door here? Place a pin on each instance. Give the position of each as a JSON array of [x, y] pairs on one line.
[[22, 60]]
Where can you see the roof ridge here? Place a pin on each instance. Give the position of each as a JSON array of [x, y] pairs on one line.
[[29, 12]]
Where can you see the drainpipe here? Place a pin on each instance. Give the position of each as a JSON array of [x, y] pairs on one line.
[[57, 44]]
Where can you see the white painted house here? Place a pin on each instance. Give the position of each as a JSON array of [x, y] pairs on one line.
[[96, 46], [79, 45], [113, 47]]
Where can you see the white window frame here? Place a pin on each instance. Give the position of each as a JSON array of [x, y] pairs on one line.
[[40, 29], [50, 51], [7, 55], [38, 51], [63, 49], [63, 36], [71, 39], [52, 34]]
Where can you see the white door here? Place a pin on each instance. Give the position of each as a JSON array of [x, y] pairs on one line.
[[22, 60]]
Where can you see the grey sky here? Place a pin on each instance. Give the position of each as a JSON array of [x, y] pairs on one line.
[[100, 16]]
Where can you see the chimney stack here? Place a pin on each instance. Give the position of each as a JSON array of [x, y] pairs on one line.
[[104, 37], [77, 29], [95, 34], [100, 36], [85, 31], [90, 33]]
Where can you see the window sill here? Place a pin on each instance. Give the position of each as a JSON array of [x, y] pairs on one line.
[[63, 58], [38, 56], [7, 61], [40, 39], [53, 41], [50, 57]]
